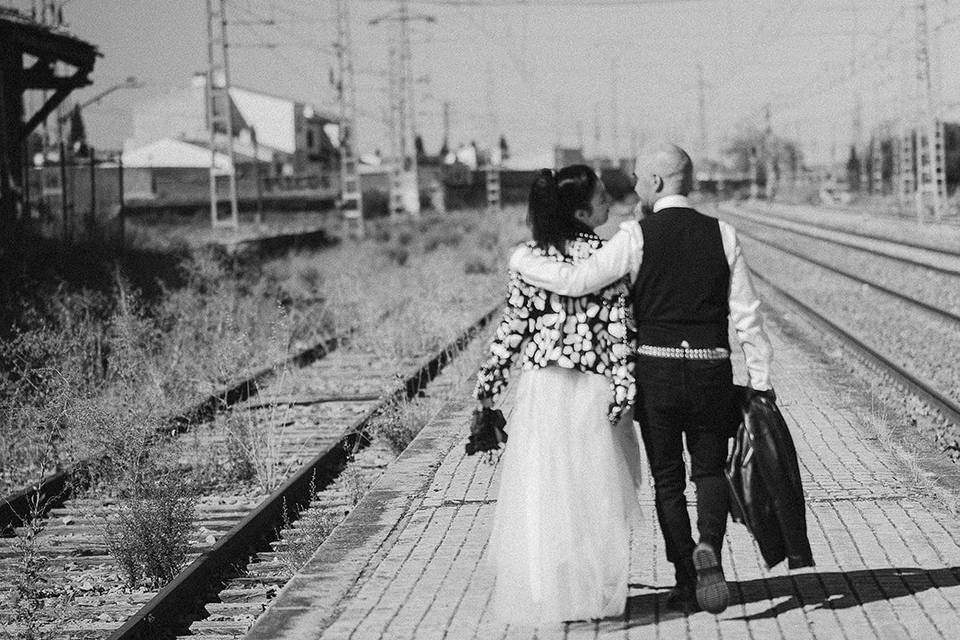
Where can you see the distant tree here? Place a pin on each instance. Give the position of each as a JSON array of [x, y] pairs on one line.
[[853, 170], [951, 147], [738, 149], [504, 148], [78, 132], [444, 149], [418, 145]]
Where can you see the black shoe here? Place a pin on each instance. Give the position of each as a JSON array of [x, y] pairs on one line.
[[683, 598], [713, 595]]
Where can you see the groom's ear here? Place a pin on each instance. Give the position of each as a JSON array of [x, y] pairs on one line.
[[657, 183]]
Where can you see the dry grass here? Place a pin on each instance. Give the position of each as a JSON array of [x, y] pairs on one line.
[[87, 371]]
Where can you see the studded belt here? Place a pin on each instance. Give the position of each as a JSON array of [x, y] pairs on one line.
[[684, 353]]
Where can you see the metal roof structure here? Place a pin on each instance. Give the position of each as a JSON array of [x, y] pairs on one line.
[[33, 56]]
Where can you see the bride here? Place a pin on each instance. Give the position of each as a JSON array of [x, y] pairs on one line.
[[561, 533]]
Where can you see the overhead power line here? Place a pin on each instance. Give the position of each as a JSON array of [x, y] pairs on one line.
[[547, 3]]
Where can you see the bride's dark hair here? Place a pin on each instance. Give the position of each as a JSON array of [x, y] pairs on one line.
[[554, 199]]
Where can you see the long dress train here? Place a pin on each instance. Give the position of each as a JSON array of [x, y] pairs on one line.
[[561, 533]]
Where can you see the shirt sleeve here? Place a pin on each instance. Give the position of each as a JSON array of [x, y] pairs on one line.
[[619, 256], [745, 313], [505, 347]]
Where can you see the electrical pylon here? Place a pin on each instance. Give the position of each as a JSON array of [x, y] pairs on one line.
[[351, 196], [220, 113], [493, 158], [931, 188], [876, 160], [404, 181]]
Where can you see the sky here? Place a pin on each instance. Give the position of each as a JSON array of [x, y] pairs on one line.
[[608, 74]]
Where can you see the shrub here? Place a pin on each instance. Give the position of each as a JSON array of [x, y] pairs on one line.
[[255, 443], [302, 539], [397, 255], [447, 236], [400, 421], [32, 594], [352, 480], [148, 536], [477, 264], [379, 231]]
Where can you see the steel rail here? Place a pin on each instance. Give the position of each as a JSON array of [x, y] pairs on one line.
[[916, 384], [851, 245], [51, 490], [870, 236], [183, 598], [943, 313]]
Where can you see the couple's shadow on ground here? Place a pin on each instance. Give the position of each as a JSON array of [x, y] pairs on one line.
[[827, 590]]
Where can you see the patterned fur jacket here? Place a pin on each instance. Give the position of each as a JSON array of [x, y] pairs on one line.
[[593, 333]]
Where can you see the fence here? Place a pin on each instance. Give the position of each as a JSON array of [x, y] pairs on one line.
[[79, 200]]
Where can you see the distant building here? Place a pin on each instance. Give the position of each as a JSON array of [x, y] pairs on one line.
[[172, 170], [300, 139]]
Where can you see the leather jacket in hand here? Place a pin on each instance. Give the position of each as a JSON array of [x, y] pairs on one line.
[[764, 479]]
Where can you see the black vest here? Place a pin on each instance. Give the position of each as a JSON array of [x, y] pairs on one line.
[[682, 290]]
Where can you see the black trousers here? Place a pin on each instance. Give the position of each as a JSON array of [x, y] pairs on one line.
[[692, 398]]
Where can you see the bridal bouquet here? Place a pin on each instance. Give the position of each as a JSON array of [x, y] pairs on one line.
[[486, 432]]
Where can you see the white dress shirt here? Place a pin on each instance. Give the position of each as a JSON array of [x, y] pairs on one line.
[[623, 253]]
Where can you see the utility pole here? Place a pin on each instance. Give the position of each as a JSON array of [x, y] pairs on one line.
[[404, 180], [857, 114], [351, 197], [219, 113], [876, 159], [614, 110], [931, 188], [493, 159], [596, 132], [770, 153], [446, 126], [702, 108]]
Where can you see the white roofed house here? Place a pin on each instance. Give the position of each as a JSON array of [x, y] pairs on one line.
[[296, 145], [178, 171]]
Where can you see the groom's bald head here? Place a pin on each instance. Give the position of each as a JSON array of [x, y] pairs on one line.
[[665, 170], [673, 166]]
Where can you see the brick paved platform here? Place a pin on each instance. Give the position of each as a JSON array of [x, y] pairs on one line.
[[409, 561]]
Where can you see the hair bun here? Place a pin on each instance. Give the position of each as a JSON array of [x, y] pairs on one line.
[[546, 178]]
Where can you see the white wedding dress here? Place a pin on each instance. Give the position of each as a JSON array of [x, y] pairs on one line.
[[567, 499]]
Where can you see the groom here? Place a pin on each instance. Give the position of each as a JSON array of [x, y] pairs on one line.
[[689, 280]]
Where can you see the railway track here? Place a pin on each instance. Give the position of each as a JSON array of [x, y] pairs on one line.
[[905, 251], [900, 329], [52, 490], [912, 381], [932, 308], [325, 427]]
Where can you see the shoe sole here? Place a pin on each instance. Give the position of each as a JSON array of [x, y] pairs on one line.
[[713, 594]]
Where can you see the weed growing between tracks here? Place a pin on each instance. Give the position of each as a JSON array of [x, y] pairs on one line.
[[390, 432], [33, 596], [254, 444], [106, 370], [71, 367], [401, 420], [148, 535]]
